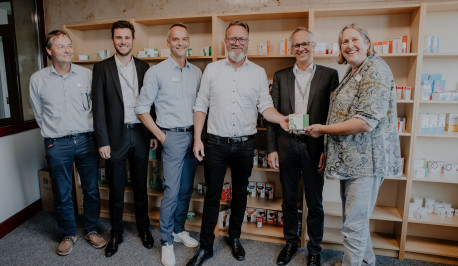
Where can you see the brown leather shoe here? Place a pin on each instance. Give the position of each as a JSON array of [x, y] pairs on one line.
[[95, 239], [66, 245]]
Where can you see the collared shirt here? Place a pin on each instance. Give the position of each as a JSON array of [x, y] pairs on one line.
[[369, 94], [302, 87], [173, 90], [234, 96], [129, 87], [62, 104]]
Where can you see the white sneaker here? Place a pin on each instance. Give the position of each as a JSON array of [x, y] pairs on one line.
[[168, 256], [186, 239]]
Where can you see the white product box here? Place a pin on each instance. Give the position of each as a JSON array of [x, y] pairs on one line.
[[320, 47], [435, 44], [251, 189], [450, 169], [152, 52], [264, 48], [427, 44], [441, 123], [165, 52], [433, 120], [407, 92], [298, 121], [424, 123], [103, 54], [141, 54], [83, 57], [285, 48], [451, 122], [434, 168], [335, 48]]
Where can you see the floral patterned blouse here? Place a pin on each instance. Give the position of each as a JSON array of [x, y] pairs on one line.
[[368, 94]]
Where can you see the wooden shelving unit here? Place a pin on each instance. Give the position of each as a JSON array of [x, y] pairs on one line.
[[401, 236]]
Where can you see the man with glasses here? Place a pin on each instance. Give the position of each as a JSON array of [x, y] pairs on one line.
[[232, 91], [60, 95], [172, 87], [304, 88]]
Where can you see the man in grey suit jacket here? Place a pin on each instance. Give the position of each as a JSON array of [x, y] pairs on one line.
[[303, 89]]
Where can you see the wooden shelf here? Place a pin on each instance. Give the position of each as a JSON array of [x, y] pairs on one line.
[[261, 128], [153, 160], [433, 219], [451, 135], [327, 56], [405, 134], [262, 203], [442, 7], [438, 247], [383, 213], [172, 20], [265, 16], [442, 55], [267, 230], [365, 11], [149, 59], [82, 62], [379, 240], [402, 178], [91, 26], [449, 180], [438, 102], [257, 168], [404, 101]]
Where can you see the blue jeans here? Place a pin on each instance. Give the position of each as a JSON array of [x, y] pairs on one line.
[[179, 167], [358, 200], [60, 154]]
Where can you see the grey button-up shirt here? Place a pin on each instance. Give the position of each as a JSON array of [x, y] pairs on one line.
[[62, 104], [173, 91], [129, 87], [234, 96]]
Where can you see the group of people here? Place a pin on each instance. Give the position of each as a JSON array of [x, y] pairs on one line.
[[124, 108]]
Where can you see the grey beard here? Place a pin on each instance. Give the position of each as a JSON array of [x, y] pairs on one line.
[[236, 58]]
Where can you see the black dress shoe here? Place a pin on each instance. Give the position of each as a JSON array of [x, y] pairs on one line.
[[201, 256], [112, 246], [237, 250], [314, 260], [147, 239], [286, 254]]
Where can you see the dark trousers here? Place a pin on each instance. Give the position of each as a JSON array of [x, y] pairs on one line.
[[60, 154], [133, 147], [297, 164], [218, 155]]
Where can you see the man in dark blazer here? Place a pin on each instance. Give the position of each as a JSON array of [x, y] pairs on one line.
[[303, 89], [120, 135]]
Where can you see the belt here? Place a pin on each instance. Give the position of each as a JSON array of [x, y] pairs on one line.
[[71, 136], [179, 129], [299, 138], [231, 140], [128, 126]]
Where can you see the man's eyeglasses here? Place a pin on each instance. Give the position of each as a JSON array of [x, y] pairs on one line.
[[233, 40], [303, 45]]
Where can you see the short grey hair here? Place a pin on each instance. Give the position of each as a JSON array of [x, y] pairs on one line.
[[179, 24], [312, 36]]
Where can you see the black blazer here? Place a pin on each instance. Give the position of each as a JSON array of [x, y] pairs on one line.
[[108, 106], [323, 83]]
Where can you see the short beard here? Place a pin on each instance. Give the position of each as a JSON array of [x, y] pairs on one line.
[[123, 54], [234, 57]]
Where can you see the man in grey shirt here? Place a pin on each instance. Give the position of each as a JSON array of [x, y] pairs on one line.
[[232, 91], [60, 95], [172, 86]]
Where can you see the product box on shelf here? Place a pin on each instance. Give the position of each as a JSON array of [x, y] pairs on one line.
[[451, 122], [261, 189], [47, 197], [251, 189], [270, 190], [272, 217]]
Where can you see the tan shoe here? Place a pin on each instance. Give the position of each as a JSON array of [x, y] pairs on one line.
[[339, 263], [95, 239], [66, 246]]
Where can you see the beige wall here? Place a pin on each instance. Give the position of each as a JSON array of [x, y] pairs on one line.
[[61, 12]]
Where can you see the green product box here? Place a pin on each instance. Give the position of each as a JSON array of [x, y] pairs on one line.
[[298, 121]]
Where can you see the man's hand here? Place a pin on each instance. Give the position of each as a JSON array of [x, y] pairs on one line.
[[105, 152], [272, 159], [161, 138], [284, 123], [314, 130], [153, 144], [198, 150], [321, 164]]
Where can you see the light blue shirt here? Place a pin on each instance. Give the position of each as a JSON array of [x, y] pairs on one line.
[[234, 97], [173, 90], [62, 104]]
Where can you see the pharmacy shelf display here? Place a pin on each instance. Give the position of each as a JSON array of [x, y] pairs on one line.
[[394, 233]]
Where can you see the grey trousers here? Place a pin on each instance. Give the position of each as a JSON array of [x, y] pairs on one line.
[[358, 201]]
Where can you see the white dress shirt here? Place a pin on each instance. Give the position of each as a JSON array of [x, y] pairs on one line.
[[302, 87], [234, 96], [129, 87]]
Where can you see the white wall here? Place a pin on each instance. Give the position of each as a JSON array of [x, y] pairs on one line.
[[21, 156]]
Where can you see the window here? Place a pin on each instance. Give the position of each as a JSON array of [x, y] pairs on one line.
[[19, 58]]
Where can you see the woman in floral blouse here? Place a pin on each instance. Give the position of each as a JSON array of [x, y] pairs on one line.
[[361, 138]]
